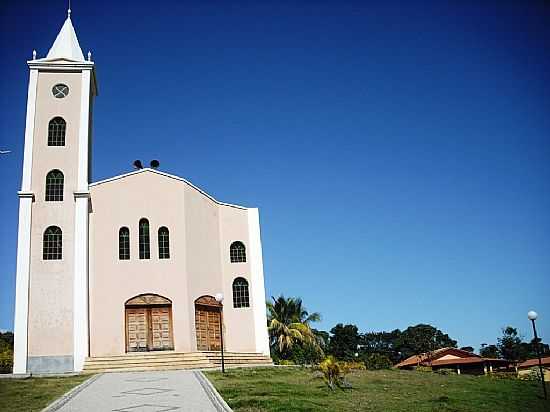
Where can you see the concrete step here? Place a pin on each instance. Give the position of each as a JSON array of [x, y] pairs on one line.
[[146, 358], [100, 365], [169, 360]]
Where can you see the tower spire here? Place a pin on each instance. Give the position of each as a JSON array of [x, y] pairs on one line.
[[66, 44]]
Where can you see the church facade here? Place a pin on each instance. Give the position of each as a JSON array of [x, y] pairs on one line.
[[144, 261]]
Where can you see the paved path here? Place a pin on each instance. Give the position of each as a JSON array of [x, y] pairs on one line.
[[166, 391]]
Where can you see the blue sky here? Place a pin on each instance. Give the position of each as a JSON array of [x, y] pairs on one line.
[[399, 152]]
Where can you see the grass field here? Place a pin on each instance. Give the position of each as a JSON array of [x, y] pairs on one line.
[[296, 389], [34, 394]]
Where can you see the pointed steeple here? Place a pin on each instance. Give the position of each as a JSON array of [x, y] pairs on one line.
[[66, 44]]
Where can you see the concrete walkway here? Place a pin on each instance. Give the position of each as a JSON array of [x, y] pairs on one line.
[[163, 391]]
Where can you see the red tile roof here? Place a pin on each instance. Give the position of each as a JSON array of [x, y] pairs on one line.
[[535, 362], [425, 358]]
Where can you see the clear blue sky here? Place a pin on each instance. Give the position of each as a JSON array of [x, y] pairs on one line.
[[399, 152]]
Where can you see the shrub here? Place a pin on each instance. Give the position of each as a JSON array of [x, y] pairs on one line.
[[533, 375], [421, 368], [6, 360], [376, 361], [503, 375], [286, 362], [306, 354], [334, 372], [446, 371]]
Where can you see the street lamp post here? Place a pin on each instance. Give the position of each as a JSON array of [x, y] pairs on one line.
[[219, 299], [532, 315]]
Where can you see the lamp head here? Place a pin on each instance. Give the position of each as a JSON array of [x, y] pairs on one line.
[[532, 315], [219, 297]]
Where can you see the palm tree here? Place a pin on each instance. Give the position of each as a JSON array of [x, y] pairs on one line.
[[289, 323]]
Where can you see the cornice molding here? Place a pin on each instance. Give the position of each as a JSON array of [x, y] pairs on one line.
[[78, 194], [25, 195]]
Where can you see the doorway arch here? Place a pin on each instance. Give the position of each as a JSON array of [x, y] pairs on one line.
[[148, 323], [207, 323]]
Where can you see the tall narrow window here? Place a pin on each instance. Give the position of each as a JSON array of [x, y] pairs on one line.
[[241, 298], [124, 243], [237, 252], [54, 186], [53, 244], [164, 243], [144, 242], [56, 132]]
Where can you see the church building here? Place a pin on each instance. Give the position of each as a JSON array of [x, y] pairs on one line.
[[140, 262]]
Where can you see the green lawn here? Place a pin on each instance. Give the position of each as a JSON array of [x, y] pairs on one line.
[[296, 389], [34, 394]]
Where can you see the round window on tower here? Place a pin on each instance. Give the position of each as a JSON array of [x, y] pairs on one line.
[[60, 90]]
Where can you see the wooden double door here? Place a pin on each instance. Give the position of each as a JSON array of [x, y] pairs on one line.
[[207, 326], [149, 328]]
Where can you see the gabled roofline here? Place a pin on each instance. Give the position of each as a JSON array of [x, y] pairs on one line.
[[181, 179]]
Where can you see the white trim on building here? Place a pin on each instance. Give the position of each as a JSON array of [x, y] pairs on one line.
[[257, 282], [81, 228], [20, 329]]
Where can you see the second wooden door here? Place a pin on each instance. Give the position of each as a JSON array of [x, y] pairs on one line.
[[207, 325]]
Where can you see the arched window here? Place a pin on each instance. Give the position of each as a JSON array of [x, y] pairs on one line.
[[240, 293], [237, 252], [53, 244], [144, 243], [56, 132], [164, 243], [54, 186], [124, 243]]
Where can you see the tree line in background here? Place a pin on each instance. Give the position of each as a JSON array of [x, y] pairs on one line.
[[294, 340], [512, 347]]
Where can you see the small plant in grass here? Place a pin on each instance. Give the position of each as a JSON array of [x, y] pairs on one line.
[[334, 373], [354, 366]]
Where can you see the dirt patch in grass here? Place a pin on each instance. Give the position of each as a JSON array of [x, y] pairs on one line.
[[295, 389], [34, 394]]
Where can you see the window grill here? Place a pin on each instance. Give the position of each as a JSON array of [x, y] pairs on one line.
[[144, 241], [54, 186], [56, 132], [164, 243], [53, 245], [237, 252], [241, 298], [124, 243]]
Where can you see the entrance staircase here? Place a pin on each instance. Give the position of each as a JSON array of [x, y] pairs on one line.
[[151, 361]]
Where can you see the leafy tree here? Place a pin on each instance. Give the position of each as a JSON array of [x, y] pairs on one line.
[[343, 341], [323, 338], [467, 349], [489, 351], [382, 343], [421, 338], [289, 325], [509, 344]]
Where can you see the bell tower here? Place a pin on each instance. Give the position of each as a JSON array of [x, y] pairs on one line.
[[51, 304]]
